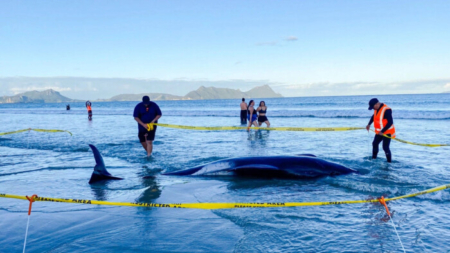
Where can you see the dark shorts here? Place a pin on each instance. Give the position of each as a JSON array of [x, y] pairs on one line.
[[150, 135], [243, 114], [262, 119]]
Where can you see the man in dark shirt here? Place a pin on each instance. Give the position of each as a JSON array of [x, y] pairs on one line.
[[144, 113], [384, 125]]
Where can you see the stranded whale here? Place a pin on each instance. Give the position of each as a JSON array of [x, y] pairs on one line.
[[100, 173], [301, 166]]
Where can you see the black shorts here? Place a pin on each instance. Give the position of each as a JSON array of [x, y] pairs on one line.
[[244, 114], [262, 119], [150, 135]]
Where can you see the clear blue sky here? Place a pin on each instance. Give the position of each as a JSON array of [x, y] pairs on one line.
[[293, 45]]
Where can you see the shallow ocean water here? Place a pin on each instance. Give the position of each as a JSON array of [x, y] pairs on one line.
[[59, 165]]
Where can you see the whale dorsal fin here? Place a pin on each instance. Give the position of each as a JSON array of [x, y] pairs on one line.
[[100, 172], [100, 167]]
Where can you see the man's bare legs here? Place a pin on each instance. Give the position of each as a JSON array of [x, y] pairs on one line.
[[148, 146], [144, 145]]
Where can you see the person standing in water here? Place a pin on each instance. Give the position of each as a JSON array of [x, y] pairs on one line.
[[384, 125], [145, 113], [89, 108], [262, 109], [251, 114], [243, 112]]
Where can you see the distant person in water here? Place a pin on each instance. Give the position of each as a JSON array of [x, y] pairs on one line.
[[384, 125], [89, 109], [251, 115], [243, 112], [262, 109], [145, 113], [67, 107]]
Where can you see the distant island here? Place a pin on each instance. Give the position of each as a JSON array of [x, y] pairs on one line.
[[203, 93], [51, 96], [46, 96]]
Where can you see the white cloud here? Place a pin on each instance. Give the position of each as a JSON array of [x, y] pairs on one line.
[[291, 38], [365, 88], [365, 85]]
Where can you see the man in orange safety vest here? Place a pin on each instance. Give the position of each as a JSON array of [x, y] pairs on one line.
[[384, 125]]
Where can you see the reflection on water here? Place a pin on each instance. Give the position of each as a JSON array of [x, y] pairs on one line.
[[152, 192], [99, 191]]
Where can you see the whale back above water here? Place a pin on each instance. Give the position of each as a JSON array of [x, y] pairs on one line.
[[301, 166]]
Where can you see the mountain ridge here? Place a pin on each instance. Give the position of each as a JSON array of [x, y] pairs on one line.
[[52, 96], [45, 96]]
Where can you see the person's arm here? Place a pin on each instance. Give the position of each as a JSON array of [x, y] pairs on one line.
[[140, 122], [155, 119], [137, 117], [370, 123], [158, 114], [390, 121]]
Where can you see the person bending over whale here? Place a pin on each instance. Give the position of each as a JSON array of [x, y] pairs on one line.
[[144, 113], [251, 115], [262, 109], [384, 125]]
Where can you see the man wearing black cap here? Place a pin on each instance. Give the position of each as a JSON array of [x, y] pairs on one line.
[[384, 125], [144, 113]]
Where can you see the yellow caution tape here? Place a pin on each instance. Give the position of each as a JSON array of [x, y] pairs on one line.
[[304, 129], [414, 143], [221, 205], [37, 130]]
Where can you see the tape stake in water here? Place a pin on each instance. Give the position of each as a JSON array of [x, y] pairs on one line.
[[383, 202], [32, 199]]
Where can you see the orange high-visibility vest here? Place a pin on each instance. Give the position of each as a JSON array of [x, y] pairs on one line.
[[89, 108], [379, 121]]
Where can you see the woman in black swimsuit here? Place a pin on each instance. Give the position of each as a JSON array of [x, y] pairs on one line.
[[262, 109]]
